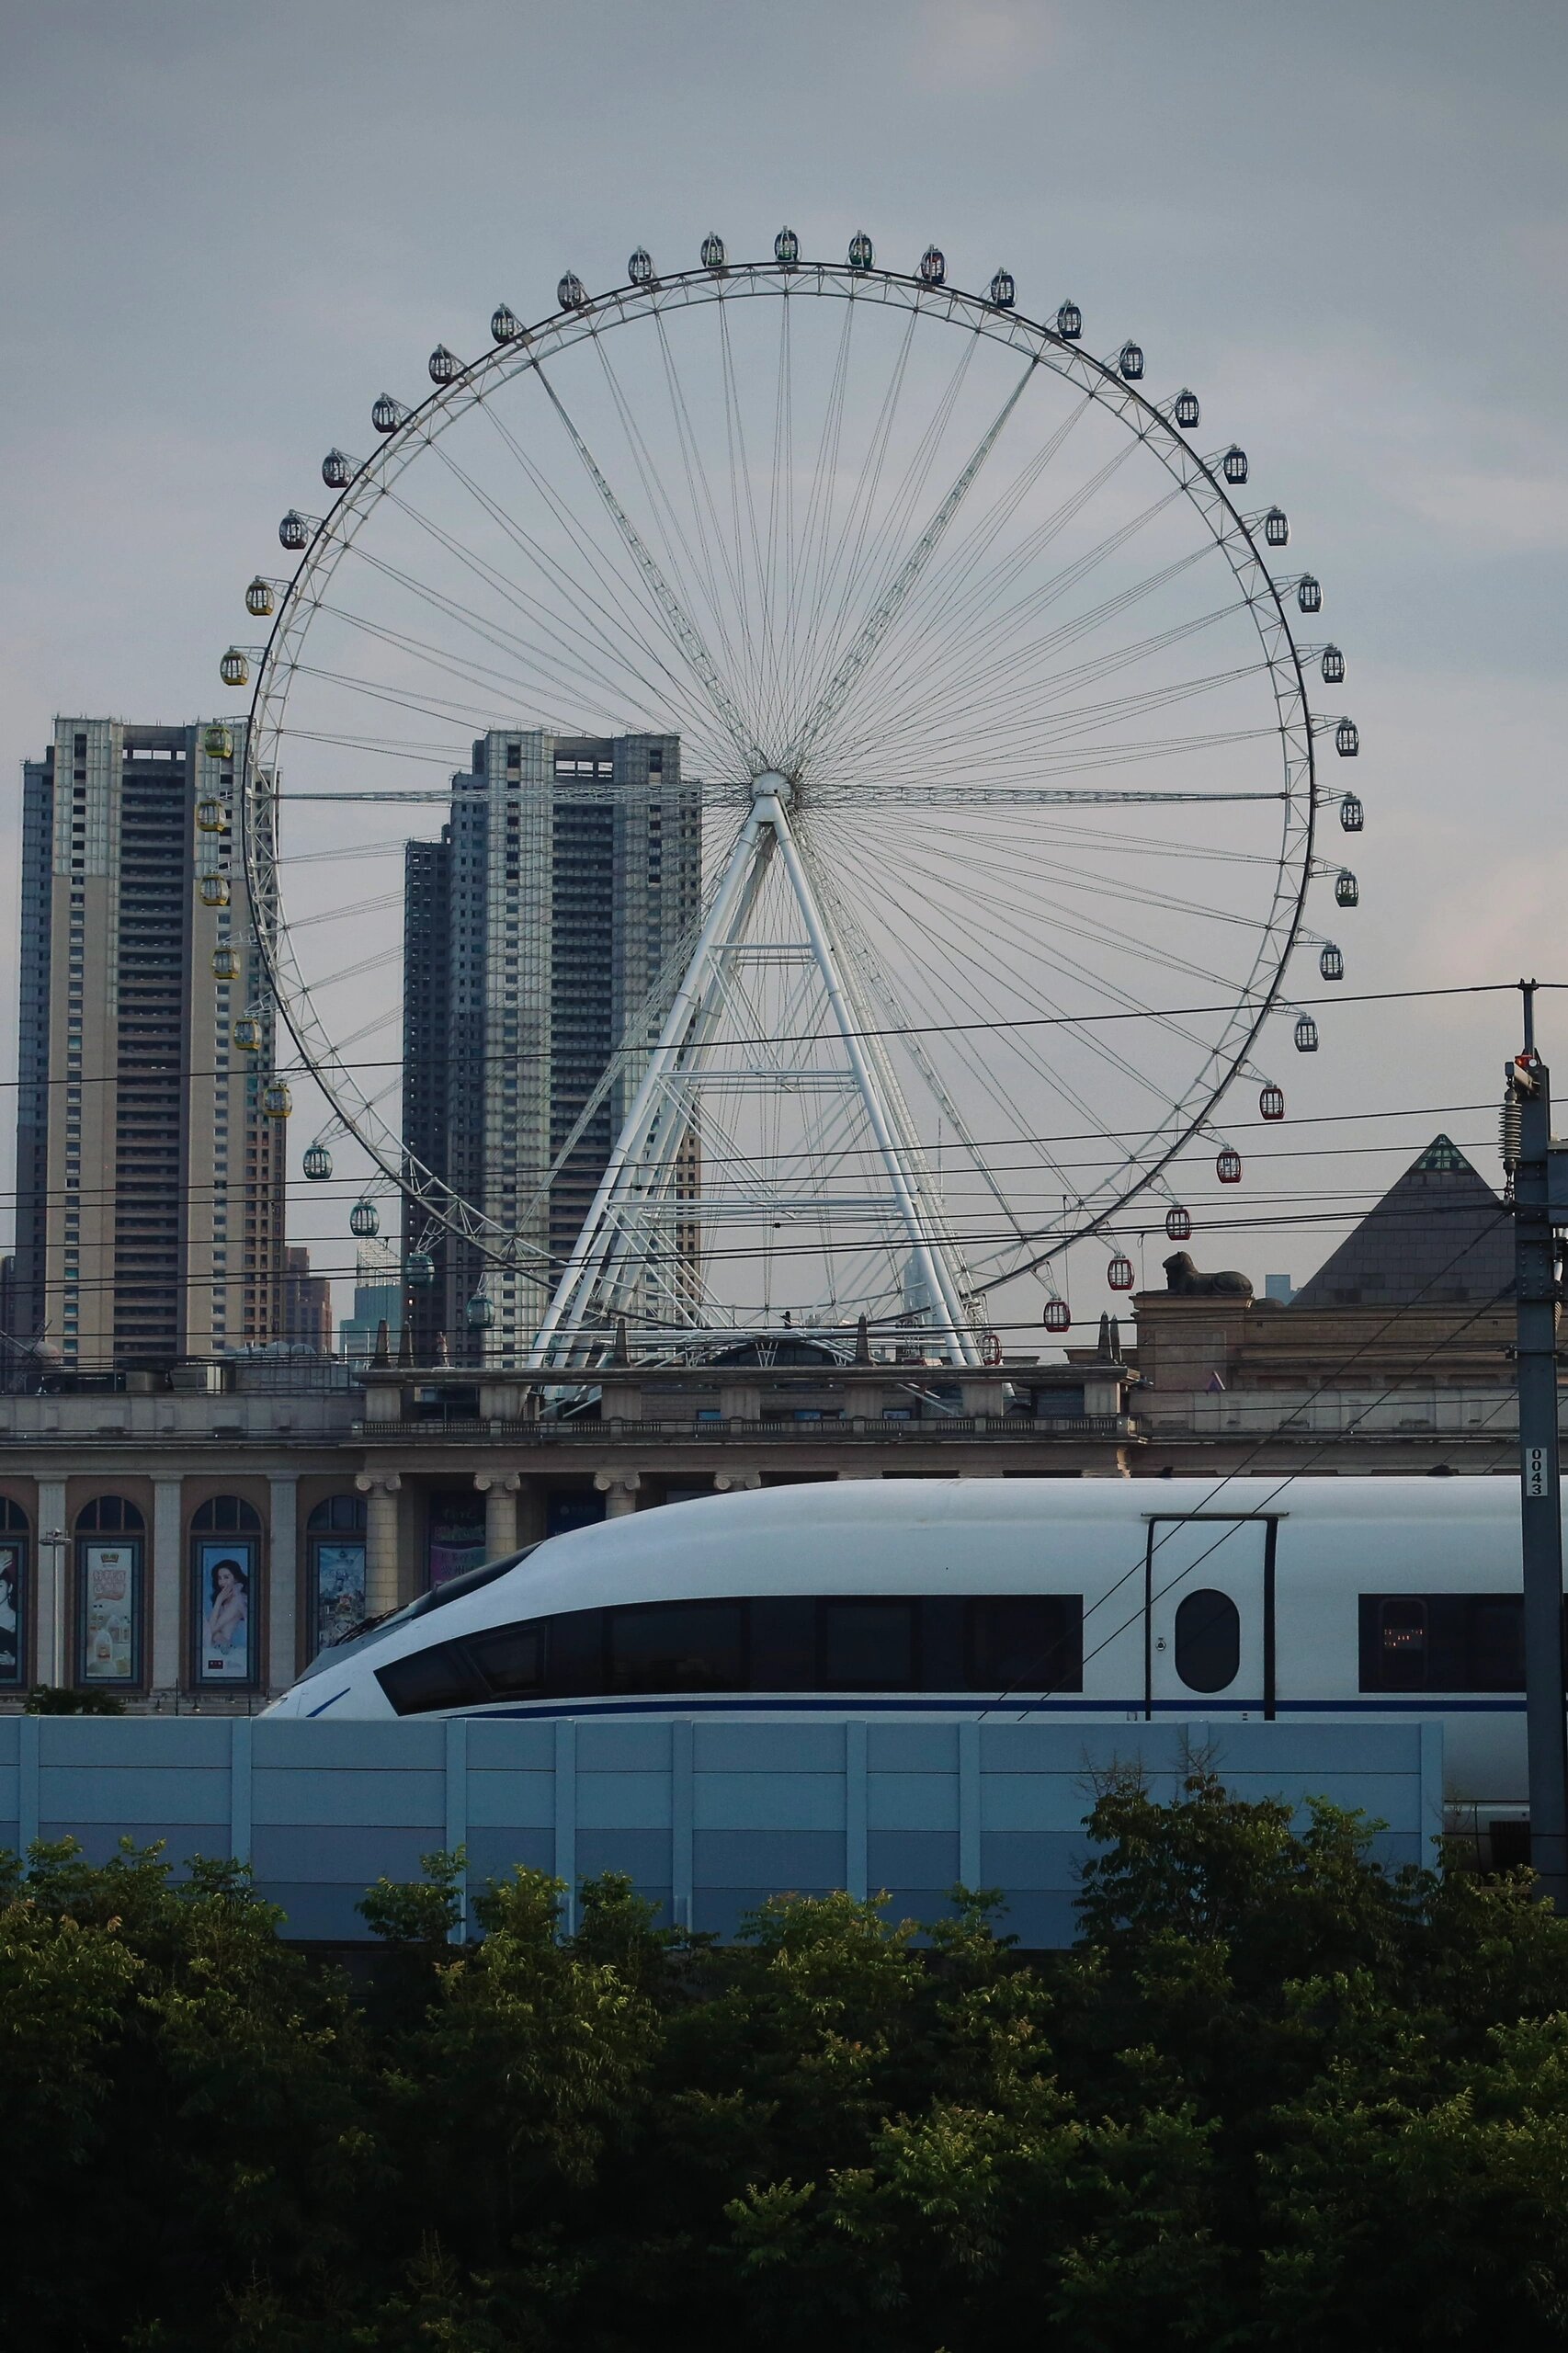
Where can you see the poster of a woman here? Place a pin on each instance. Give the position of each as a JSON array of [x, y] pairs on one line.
[[225, 1582]]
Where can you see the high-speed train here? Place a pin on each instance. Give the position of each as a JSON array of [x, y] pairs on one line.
[[1117, 1599]]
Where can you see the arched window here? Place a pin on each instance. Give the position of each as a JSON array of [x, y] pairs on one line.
[[110, 1515], [13, 1593], [1208, 1641], [109, 1592], [334, 1543], [226, 1516], [226, 1561]]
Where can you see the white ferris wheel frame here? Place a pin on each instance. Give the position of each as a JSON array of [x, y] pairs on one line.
[[574, 1327]]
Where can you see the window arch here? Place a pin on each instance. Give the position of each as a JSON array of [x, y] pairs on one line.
[[334, 1547], [110, 1515], [110, 1531], [345, 1512], [13, 1593], [226, 1516], [226, 1561]]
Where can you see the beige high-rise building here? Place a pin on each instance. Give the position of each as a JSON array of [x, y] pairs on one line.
[[149, 1178]]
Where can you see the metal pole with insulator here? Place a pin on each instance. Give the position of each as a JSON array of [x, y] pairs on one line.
[[1527, 1145]]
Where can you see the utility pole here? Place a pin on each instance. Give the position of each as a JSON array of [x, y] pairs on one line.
[[1540, 1204]]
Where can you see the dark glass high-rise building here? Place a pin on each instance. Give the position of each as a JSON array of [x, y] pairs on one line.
[[150, 1186], [554, 908]]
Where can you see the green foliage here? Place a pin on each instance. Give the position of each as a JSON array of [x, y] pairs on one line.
[[1275, 2098], [62, 1699]]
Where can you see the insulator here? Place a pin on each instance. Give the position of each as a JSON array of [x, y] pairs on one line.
[[1271, 1102], [1058, 1316], [1234, 465], [444, 364], [1186, 411], [504, 325], [1306, 1035], [1129, 361], [860, 251], [1119, 1273], [787, 248], [712, 252], [1511, 1132], [1178, 1225], [259, 598]]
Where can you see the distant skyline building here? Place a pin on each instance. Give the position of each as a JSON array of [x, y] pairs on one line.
[[552, 908], [150, 1186], [307, 1303], [378, 1299]]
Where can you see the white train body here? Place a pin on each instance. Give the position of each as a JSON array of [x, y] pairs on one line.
[[1199, 1599]]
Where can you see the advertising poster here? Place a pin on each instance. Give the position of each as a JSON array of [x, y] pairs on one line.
[[13, 1601], [457, 1536], [340, 1589], [109, 1597], [225, 1575]]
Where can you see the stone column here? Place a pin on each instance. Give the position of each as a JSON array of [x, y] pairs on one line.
[[725, 1480], [52, 1571], [381, 1490], [282, 1639], [499, 1489], [619, 1490], [166, 1575]]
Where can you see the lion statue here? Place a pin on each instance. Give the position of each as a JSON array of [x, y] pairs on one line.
[[1183, 1279]]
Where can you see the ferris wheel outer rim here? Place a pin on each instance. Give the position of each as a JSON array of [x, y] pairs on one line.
[[620, 305]]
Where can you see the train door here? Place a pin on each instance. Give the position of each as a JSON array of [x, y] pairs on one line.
[[1208, 1614]]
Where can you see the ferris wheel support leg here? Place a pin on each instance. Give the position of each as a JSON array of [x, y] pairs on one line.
[[929, 1256], [597, 1241]]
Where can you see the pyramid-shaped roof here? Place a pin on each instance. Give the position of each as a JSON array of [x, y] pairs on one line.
[[1439, 1233]]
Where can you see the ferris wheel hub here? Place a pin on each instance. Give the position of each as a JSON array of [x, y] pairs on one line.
[[772, 785]]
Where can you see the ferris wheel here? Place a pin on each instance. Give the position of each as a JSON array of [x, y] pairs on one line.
[[991, 689]]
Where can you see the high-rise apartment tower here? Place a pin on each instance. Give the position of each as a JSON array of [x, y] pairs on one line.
[[150, 1183], [552, 912]]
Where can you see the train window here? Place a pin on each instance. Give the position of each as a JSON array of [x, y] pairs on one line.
[[441, 1678], [868, 1645], [1442, 1641], [577, 1653], [1208, 1641], [1026, 1642], [512, 1659], [677, 1646], [784, 1644], [1402, 1645]]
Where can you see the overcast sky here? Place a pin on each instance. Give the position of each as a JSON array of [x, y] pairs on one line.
[[228, 228]]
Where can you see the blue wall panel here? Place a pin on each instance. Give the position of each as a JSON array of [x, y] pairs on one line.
[[706, 1814]]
